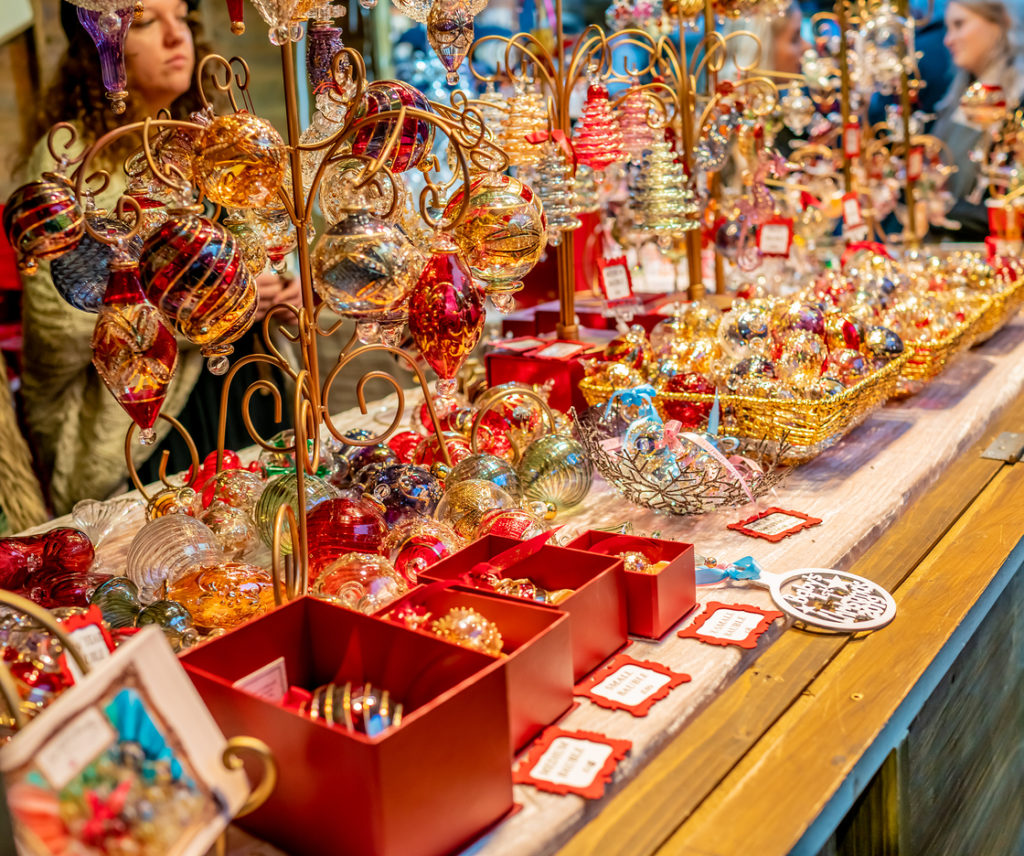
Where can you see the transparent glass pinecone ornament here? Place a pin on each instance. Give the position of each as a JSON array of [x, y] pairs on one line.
[[666, 201], [597, 139], [450, 34], [491, 105], [588, 196], [637, 135], [554, 186], [526, 115]]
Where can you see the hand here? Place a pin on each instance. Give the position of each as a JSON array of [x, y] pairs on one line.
[[273, 289]]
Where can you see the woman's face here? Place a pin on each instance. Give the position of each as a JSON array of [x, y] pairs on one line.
[[159, 54], [789, 44], [973, 41]]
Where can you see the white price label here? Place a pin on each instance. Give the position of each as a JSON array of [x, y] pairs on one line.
[[915, 164], [560, 350], [631, 685], [571, 762], [774, 239], [851, 141], [733, 625], [91, 645], [616, 283], [74, 747], [268, 682], [851, 211]]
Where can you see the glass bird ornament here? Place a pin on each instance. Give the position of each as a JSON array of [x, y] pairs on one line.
[[195, 274], [502, 235], [240, 161], [527, 115], [554, 187], [365, 268], [165, 548], [80, 276], [107, 28], [43, 220], [446, 315], [416, 137], [555, 469], [597, 139], [450, 34], [133, 349]]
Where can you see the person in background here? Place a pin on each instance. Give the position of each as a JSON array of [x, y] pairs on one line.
[[984, 40], [76, 427]]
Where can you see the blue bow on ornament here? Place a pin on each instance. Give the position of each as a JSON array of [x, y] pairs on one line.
[[709, 571], [640, 397]]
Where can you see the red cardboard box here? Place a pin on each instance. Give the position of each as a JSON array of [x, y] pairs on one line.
[[537, 648], [654, 602], [506, 367], [597, 608], [424, 788]]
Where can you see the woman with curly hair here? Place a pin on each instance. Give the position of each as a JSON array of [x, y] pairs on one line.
[[76, 427]]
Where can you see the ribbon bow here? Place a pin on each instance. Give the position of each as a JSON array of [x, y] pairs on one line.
[[710, 571], [641, 397], [674, 443]]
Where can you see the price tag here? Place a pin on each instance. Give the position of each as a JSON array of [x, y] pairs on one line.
[[616, 283], [571, 762], [851, 139], [269, 682], [561, 350], [915, 163], [91, 639], [775, 237], [851, 210], [628, 684], [738, 624], [520, 345], [74, 747]]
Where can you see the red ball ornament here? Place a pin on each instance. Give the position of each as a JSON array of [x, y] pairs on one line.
[[428, 452], [43, 220], [404, 444], [416, 137], [691, 414], [339, 526]]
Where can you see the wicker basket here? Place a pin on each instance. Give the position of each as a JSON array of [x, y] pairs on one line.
[[1003, 305], [806, 426], [925, 360]]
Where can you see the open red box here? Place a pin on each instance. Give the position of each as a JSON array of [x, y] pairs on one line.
[[537, 648], [654, 602], [597, 608], [424, 788]]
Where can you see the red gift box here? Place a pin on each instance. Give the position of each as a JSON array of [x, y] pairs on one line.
[[565, 375], [537, 648], [654, 602], [597, 607], [423, 788]]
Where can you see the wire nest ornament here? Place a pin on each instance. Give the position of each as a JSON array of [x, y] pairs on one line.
[[690, 493]]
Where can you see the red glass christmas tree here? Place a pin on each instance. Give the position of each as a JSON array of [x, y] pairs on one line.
[[598, 139]]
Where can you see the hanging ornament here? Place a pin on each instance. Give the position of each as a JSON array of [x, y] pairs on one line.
[[983, 103], [323, 41], [446, 315], [339, 192], [554, 187], [450, 34], [240, 161], [634, 115], [279, 16], [418, 10], [598, 140], [797, 109], [416, 138], [555, 469], [588, 196], [365, 268], [278, 233], [502, 234], [80, 276], [667, 203], [194, 273], [235, 15], [43, 220], [250, 242], [493, 108], [526, 115], [107, 28], [133, 350]]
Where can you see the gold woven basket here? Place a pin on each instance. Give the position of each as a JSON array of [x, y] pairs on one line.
[[925, 360], [1003, 305], [808, 427]]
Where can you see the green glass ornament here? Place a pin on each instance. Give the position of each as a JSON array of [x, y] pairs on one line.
[[489, 468], [284, 490], [118, 600], [173, 619], [556, 469]]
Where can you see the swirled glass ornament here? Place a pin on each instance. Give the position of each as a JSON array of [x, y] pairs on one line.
[[107, 29], [133, 349], [360, 581], [416, 137], [450, 34], [404, 491], [339, 194], [284, 491], [342, 525], [240, 161], [489, 468], [417, 543], [43, 220], [80, 276], [250, 242], [556, 469], [464, 505], [194, 273], [165, 548]]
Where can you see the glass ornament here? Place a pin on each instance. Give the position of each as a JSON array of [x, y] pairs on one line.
[[323, 41], [847, 366], [223, 595], [362, 458], [885, 45], [744, 377], [743, 332], [194, 273], [417, 543], [665, 202], [173, 619], [489, 468], [841, 331], [279, 16], [234, 529], [799, 317], [80, 275], [450, 34], [362, 582], [339, 194], [511, 523], [555, 469], [527, 115], [630, 348], [597, 140], [134, 351], [464, 504], [405, 490], [107, 28], [43, 220], [689, 414], [118, 600], [470, 629], [283, 490], [635, 112], [278, 233], [555, 189], [238, 488], [416, 138], [343, 525], [235, 15], [428, 452], [404, 443], [801, 356], [418, 10], [172, 500], [881, 343], [240, 161], [365, 268], [983, 103], [250, 242], [503, 233], [446, 315], [165, 548], [797, 109]]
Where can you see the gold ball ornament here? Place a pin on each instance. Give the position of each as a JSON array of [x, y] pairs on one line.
[[468, 628], [240, 161]]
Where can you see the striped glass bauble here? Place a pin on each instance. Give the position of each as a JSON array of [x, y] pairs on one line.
[[556, 469], [43, 220], [284, 490]]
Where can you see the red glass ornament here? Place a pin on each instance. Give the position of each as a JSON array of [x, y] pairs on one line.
[[51, 568], [195, 274], [690, 414], [235, 14], [598, 141], [339, 526], [416, 137], [43, 220], [428, 452], [133, 349], [404, 444]]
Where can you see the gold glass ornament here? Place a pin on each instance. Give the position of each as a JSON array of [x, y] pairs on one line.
[[526, 115], [223, 594], [469, 628], [667, 203], [464, 505], [240, 161]]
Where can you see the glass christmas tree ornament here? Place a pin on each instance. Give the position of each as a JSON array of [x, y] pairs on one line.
[[527, 115], [503, 233], [493, 108], [250, 242], [450, 34], [667, 204], [634, 124], [555, 469], [597, 139], [165, 548], [554, 187], [223, 594], [464, 504], [80, 275], [107, 28], [240, 161], [416, 137], [446, 315], [342, 525], [133, 349], [365, 268], [417, 543], [43, 220], [195, 274], [362, 582], [283, 490]]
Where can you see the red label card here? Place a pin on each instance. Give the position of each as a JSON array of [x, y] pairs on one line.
[[571, 762], [616, 283], [774, 524], [851, 139], [738, 624], [775, 237], [632, 685]]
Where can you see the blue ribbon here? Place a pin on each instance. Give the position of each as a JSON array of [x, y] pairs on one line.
[[640, 397], [746, 568]]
